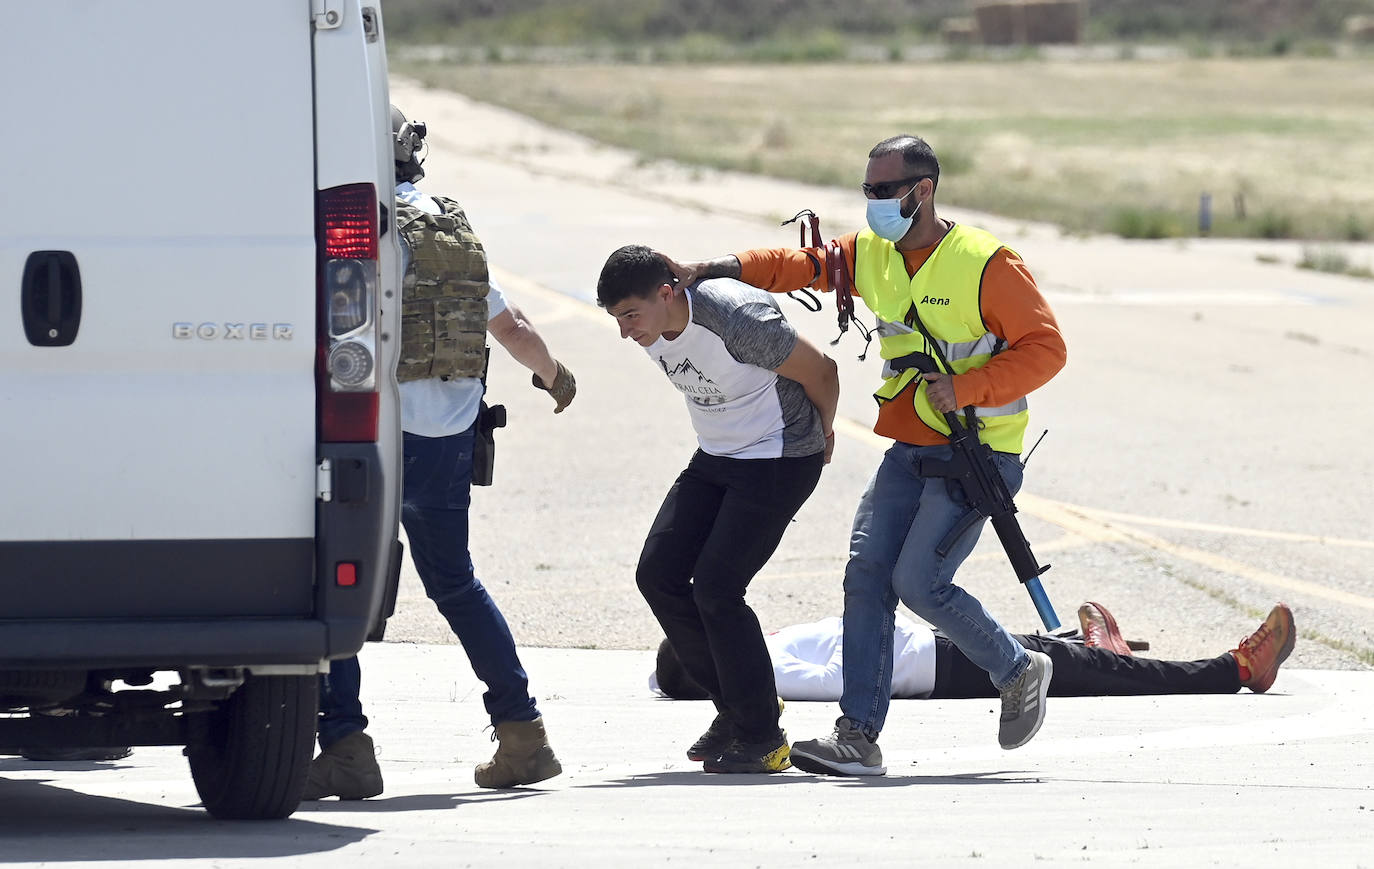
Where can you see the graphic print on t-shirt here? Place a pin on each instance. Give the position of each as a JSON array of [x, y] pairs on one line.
[[703, 392], [723, 365]]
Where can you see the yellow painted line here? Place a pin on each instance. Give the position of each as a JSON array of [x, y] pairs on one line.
[[560, 305], [1100, 526], [1234, 530], [1033, 505], [1089, 524], [1049, 511], [1068, 541], [861, 433]]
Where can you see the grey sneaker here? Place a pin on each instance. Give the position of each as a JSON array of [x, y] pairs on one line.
[[847, 751], [1023, 702]]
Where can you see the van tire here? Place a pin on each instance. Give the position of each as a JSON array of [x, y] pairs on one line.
[[258, 756]]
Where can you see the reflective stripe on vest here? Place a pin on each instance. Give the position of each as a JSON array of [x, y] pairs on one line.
[[945, 293], [443, 295]]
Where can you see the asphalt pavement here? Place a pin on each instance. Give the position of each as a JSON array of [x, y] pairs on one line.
[[1276, 779]]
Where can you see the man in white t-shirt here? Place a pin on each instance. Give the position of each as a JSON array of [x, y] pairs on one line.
[[762, 401]]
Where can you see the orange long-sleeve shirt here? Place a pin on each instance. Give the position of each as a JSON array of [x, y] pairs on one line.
[[1011, 305]]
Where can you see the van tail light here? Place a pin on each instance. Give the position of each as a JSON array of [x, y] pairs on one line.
[[346, 221]]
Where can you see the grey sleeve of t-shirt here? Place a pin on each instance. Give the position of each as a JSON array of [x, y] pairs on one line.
[[757, 333]]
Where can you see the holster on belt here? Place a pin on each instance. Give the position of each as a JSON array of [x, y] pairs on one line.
[[489, 419]]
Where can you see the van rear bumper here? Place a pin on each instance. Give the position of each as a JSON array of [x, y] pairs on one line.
[[77, 644], [144, 580], [104, 604]]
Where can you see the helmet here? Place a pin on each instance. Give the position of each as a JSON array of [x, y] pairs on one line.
[[407, 143]]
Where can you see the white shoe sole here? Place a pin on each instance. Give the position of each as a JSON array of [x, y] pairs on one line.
[[810, 763]]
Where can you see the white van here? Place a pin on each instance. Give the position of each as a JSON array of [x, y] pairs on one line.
[[199, 438]]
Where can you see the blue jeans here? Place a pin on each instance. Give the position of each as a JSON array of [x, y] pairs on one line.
[[434, 511], [901, 519]]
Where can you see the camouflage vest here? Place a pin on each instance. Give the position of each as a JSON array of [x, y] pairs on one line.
[[444, 295]]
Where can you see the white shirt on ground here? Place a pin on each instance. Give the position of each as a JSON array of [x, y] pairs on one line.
[[808, 660]]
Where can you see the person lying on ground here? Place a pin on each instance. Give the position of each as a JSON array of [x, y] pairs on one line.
[[808, 663]]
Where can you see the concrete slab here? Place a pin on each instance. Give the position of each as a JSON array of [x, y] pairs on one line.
[[1276, 779]]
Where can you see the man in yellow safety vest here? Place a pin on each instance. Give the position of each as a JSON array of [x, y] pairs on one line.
[[951, 291]]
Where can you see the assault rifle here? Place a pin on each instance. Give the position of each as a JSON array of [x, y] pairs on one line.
[[972, 467]]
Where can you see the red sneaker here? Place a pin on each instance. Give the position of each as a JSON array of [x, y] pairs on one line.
[[1100, 630], [1259, 655]]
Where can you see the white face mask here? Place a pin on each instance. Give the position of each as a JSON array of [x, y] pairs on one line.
[[886, 220]]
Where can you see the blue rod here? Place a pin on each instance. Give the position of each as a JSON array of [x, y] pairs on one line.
[[1042, 603]]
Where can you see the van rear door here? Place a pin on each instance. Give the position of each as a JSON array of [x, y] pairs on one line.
[[157, 357]]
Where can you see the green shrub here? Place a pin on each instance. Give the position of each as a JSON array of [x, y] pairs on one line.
[[1333, 261], [954, 159], [1354, 228], [1145, 223], [1324, 259], [703, 48], [820, 46], [1271, 224]]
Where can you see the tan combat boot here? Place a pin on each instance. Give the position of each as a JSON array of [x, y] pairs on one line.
[[347, 769], [523, 756]]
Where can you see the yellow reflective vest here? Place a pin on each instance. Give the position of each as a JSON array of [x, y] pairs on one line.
[[944, 293]]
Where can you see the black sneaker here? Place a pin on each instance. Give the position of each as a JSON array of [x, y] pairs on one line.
[[713, 742], [753, 757]]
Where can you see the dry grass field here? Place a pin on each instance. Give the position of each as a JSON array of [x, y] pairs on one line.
[[1284, 146]]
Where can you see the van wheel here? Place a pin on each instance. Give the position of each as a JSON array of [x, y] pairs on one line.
[[258, 755]]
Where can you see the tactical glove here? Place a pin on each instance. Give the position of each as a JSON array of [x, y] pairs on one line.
[[563, 389]]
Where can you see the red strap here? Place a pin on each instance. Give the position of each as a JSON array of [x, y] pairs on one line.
[[836, 273]]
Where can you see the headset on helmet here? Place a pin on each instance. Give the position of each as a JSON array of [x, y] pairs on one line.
[[407, 144]]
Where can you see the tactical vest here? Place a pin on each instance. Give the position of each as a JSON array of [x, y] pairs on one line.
[[944, 293], [444, 295]]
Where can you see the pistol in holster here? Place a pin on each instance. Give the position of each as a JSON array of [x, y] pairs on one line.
[[489, 419]]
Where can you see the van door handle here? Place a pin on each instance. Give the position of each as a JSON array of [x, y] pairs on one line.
[[51, 298]]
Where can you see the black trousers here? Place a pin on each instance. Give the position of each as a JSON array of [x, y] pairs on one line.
[[1086, 671], [718, 526]]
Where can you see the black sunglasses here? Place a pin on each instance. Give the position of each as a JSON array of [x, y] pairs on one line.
[[888, 189]]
